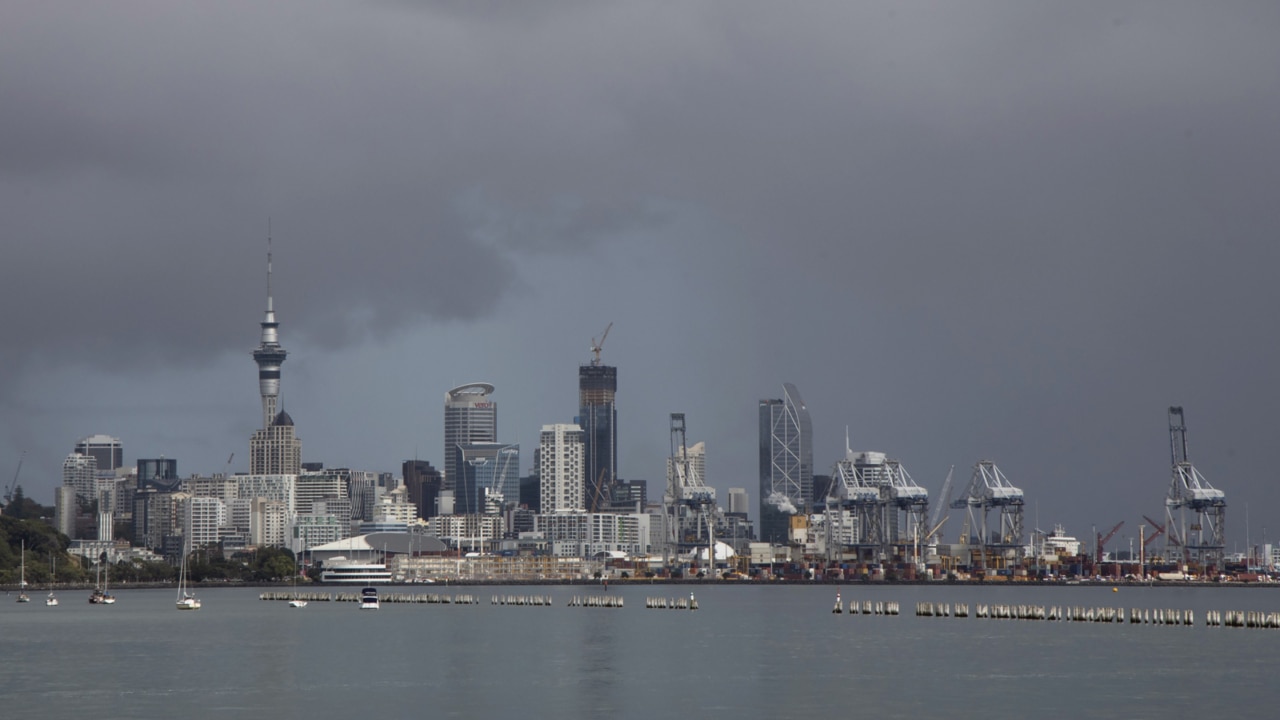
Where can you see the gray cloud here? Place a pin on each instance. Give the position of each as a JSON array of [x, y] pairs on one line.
[[978, 229]]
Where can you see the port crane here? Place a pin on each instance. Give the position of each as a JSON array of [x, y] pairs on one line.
[[688, 500], [1204, 539], [1102, 543], [990, 490]]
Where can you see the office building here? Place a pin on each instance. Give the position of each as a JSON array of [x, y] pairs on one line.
[[423, 483], [104, 449], [79, 473], [739, 502], [276, 450], [159, 474], [786, 463], [470, 417], [486, 470]]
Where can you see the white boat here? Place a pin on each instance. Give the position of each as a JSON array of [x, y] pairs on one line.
[[101, 595], [343, 570], [369, 598], [186, 601], [52, 600], [23, 597]]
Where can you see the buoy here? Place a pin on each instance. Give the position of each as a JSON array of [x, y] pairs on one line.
[[1115, 589]]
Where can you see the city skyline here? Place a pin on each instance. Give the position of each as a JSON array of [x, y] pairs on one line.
[[964, 233]]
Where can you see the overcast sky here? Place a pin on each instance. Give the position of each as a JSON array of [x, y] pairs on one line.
[[963, 230]]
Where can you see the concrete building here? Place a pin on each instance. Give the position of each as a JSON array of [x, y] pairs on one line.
[[78, 473], [739, 502], [203, 519], [561, 469], [276, 450], [786, 463], [268, 522], [64, 510], [584, 534], [470, 417], [311, 487], [282, 488]]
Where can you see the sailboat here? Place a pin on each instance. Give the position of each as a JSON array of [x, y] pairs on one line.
[[186, 601], [100, 594], [22, 582], [53, 571], [295, 601]]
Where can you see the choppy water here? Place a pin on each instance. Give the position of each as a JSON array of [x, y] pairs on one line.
[[749, 652]]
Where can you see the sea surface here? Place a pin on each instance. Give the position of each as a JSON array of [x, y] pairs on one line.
[[750, 651]]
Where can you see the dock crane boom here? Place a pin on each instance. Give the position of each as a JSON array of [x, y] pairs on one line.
[[1103, 540]]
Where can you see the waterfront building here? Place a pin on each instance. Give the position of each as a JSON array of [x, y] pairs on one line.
[[78, 473], [485, 469], [470, 417], [786, 463], [106, 451], [598, 420], [586, 534], [561, 469], [158, 474]]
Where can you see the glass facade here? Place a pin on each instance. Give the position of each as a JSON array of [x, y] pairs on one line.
[[786, 463], [485, 466], [598, 418]]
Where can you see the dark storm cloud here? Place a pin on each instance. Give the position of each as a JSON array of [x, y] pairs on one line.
[[1015, 225]]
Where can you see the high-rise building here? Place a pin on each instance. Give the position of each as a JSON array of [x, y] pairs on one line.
[[64, 510], [106, 450], [560, 471], [276, 450], [786, 463], [485, 469], [470, 416], [739, 502], [598, 418], [78, 473]]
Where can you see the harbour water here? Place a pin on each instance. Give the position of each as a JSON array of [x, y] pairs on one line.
[[748, 652]]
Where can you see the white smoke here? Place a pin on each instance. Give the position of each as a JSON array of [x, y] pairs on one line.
[[782, 502]]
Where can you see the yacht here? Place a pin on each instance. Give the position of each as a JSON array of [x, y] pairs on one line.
[[369, 598]]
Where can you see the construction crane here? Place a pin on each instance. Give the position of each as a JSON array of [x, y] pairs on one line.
[[8, 492], [596, 347], [1102, 542]]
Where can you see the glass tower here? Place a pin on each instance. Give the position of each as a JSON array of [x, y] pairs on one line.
[[786, 463], [598, 418]]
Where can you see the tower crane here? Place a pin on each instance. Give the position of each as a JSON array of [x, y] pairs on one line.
[[596, 347], [8, 492]]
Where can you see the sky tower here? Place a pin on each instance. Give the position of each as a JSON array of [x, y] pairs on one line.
[[269, 355]]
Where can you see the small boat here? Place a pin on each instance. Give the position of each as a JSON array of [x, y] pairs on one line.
[[100, 594], [369, 598], [295, 601]]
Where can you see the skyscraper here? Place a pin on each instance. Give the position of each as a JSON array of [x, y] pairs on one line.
[[106, 450], [78, 473], [786, 463], [470, 416], [598, 418], [560, 469], [275, 449]]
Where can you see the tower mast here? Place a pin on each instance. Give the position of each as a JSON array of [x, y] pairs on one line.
[[269, 355]]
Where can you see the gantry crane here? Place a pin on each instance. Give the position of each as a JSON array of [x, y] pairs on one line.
[[1204, 539]]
